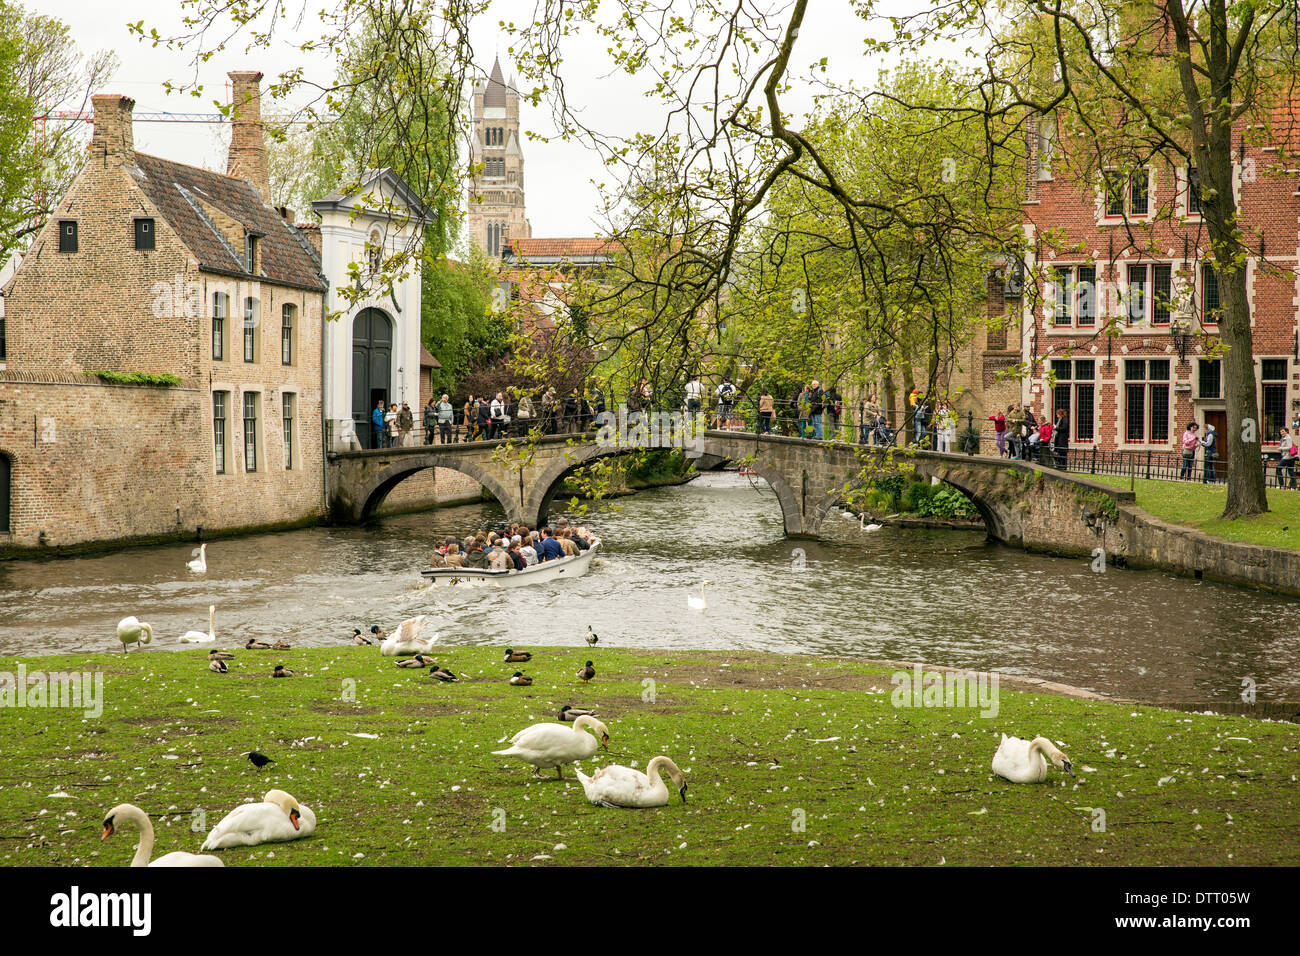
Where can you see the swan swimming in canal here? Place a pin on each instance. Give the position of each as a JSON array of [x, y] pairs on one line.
[[200, 564], [132, 631], [698, 603], [1025, 761], [550, 745], [198, 637], [617, 786], [129, 813]]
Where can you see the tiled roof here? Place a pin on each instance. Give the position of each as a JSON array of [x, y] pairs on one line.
[[580, 246], [427, 360], [284, 256]]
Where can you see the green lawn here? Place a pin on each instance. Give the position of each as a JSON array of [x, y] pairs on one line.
[[791, 760], [1199, 506]]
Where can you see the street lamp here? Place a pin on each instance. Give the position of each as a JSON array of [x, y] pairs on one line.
[[1180, 329]]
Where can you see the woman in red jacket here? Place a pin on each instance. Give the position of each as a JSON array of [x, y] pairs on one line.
[[1000, 432]]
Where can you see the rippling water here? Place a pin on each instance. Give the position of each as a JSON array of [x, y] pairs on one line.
[[942, 597]]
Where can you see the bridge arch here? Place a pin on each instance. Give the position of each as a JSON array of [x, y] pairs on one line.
[[372, 494], [548, 483]]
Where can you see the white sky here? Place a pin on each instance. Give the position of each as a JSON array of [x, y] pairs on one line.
[[561, 200]]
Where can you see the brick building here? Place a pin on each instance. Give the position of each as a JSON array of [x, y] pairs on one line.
[[152, 266], [1131, 252]]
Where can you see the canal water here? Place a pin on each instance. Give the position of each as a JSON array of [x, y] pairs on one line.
[[904, 594]]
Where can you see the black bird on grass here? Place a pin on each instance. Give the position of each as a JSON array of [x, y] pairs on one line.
[[259, 760]]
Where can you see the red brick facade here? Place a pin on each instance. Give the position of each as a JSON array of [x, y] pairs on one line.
[[1138, 253]]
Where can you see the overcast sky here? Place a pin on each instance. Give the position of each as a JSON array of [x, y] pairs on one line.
[[561, 199]]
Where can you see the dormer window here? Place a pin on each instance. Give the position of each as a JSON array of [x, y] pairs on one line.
[[250, 253]]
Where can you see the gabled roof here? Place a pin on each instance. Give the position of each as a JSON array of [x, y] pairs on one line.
[[404, 194], [178, 192]]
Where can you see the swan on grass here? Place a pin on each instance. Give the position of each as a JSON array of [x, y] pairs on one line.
[[200, 563], [132, 631], [406, 639], [279, 817], [617, 786], [198, 637], [1025, 761], [129, 813], [698, 603], [550, 745]]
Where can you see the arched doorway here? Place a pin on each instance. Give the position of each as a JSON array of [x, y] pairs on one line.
[[372, 368]]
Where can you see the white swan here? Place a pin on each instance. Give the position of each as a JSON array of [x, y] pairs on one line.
[[698, 603], [279, 817], [131, 631], [550, 745], [129, 813], [871, 527], [617, 786], [406, 639], [198, 637], [1023, 761], [200, 564]]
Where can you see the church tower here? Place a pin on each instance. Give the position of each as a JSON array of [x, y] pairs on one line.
[[496, 211]]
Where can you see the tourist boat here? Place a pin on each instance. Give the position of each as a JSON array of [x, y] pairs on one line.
[[541, 573]]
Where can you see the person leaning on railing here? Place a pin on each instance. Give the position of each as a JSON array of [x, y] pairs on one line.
[[766, 408]]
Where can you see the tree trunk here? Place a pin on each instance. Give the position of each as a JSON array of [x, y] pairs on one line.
[[1246, 490]]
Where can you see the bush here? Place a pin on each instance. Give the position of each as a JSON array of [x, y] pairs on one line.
[[137, 378], [917, 495], [947, 502]]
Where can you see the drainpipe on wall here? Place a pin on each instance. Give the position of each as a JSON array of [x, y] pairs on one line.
[[324, 398]]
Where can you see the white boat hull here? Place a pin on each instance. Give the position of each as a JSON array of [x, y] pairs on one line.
[[540, 573]]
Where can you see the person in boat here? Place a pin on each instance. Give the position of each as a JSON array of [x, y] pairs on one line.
[[527, 550], [513, 553], [566, 542], [439, 557], [475, 556], [453, 558], [498, 558], [551, 548]]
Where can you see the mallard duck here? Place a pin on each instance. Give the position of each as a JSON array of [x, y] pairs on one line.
[[591, 636], [129, 813], [254, 645], [359, 639], [217, 666], [418, 661], [279, 817], [376, 633], [281, 671], [617, 786], [215, 655], [573, 713], [550, 745], [1025, 761], [442, 674], [281, 645], [519, 680], [132, 631], [517, 657], [587, 672]]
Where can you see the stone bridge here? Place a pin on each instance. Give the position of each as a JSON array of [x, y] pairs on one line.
[[1021, 504]]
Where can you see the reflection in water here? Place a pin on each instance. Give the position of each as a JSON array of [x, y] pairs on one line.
[[942, 597]]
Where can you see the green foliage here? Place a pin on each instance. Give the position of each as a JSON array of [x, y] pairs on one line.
[[161, 379], [457, 325], [947, 502]]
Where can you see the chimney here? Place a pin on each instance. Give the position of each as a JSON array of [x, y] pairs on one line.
[[113, 139], [247, 159]]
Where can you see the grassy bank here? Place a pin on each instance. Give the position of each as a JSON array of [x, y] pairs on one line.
[[1199, 506], [765, 740]]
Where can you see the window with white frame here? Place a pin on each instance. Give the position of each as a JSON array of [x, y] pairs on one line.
[[287, 401], [287, 315], [1148, 292], [250, 431], [1075, 298], [220, 409], [1272, 377], [1211, 304], [1146, 401], [1126, 193], [250, 329], [1193, 191]]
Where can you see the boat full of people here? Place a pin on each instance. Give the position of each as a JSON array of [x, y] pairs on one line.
[[513, 556]]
